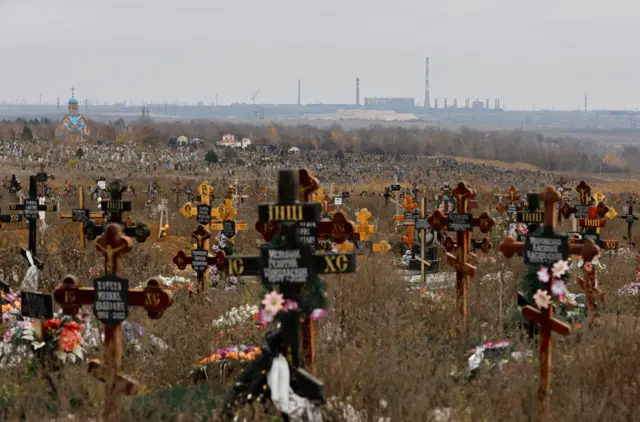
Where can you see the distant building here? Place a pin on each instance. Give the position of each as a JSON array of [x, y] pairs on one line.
[[395, 104], [73, 127], [229, 140], [245, 142]]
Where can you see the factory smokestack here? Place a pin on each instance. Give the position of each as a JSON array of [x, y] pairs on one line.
[[427, 94], [585, 103], [298, 91], [357, 91]]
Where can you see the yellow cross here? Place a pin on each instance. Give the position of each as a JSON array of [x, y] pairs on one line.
[[318, 195], [363, 228], [188, 210], [408, 203], [224, 211], [205, 190], [345, 247], [382, 247]]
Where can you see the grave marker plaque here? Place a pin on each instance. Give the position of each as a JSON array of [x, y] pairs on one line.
[[545, 251], [37, 305], [79, 215], [204, 214], [460, 222], [111, 305], [395, 187], [287, 265], [31, 209], [199, 261], [229, 228]]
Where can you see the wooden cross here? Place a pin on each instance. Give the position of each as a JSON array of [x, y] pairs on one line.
[[81, 214], [591, 226], [31, 209], [200, 259], [42, 178], [462, 222], [512, 198], [580, 211], [546, 256], [593, 295], [363, 228], [408, 218], [111, 298], [226, 213], [548, 324], [382, 247]]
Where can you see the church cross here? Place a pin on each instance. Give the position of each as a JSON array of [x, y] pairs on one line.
[[590, 286], [462, 222], [113, 290]]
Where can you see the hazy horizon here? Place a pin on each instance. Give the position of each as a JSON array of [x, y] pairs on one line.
[[547, 54]]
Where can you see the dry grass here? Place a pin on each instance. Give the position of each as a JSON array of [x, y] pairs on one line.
[[380, 342]]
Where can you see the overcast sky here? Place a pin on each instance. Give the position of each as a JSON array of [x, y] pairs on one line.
[[547, 53]]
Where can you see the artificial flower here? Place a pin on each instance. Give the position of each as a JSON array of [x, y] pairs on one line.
[[543, 274], [266, 316], [588, 266], [542, 299], [273, 302], [559, 269], [558, 288], [290, 305], [318, 314]]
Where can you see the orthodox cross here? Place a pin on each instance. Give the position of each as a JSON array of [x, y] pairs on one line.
[[363, 228], [205, 196], [81, 214], [31, 209], [462, 222], [629, 217], [225, 222], [178, 189], [114, 207], [42, 177], [422, 226], [10, 218], [512, 200], [163, 209], [592, 294], [579, 211], [532, 217], [544, 248], [591, 226], [199, 259], [408, 219], [381, 247], [111, 299], [294, 223]]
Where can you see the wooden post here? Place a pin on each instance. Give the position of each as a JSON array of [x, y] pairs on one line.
[[154, 298], [80, 215], [462, 222], [544, 317]]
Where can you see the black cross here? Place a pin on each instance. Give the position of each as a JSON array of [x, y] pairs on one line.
[[290, 264], [532, 217], [114, 207], [630, 218], [31, 209]]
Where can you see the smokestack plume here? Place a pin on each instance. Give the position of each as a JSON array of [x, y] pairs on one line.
[[427, 94], [357, 91], [298, 91]]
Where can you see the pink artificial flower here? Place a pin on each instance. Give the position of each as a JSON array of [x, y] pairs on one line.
[[290, 305], [558, 288], [266, 316], [588, 266], [543, 274], [273, 302], [318, 314], [542, 299]]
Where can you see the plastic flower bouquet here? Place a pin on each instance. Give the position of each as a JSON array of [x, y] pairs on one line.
[[226, 363]]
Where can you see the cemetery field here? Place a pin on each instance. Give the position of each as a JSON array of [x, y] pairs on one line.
[[386, 344]]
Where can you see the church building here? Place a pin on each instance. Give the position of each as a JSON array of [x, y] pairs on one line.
[[73, 127]]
